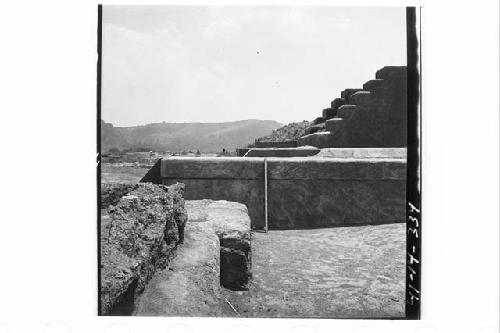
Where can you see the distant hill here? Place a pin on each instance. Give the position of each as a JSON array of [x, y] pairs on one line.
[[292, 131], [206, 137]]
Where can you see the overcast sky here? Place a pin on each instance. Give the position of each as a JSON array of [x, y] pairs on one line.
[[211, 64]]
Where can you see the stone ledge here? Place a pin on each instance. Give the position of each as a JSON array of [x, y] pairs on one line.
[[367, 153], [283, 152]]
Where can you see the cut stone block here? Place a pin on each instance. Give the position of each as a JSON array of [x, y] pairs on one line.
[[319, 120], [384, 153], [346, 94], [334, 124], [390, 72], [346, 111], [373, 85], [337, 102], [283, 152], [319, 140], [232, 225], [329, 113], [276, 144], [362, 98]]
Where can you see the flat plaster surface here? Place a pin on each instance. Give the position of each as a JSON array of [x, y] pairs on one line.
[[343, 272]]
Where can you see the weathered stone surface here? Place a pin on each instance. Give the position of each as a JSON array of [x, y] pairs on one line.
[[329, 113], [346, 94], [283, 152], [337, 102], [308, 203], [318, 139], [217, 167], [325, 169], [373, 85], [334, 124], [319, 120], [190, 286], [138, 237], [276, 144], [216, 252], [111, 193], [232, 225], [314, 128], [378, 119], [389, 72], [346, 111], [362, 98], [352, 272], [388, 153]]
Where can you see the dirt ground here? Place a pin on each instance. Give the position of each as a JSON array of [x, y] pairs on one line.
[[326, 273]]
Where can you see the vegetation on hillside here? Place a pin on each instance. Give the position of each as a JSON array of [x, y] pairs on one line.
[[292, 131]]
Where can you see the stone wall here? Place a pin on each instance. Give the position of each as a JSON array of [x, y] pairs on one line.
[[303, 192], [139, 235]]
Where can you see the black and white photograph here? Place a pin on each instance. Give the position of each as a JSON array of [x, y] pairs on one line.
[[254, 162], [305, 166]]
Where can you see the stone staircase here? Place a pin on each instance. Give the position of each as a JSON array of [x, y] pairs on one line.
[[372, 116]]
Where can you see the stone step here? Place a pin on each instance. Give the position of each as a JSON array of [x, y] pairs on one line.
[[319, 120], [346, 111], [329, 113], [337, 102], [374, 85], [283, 152], [346, 94], [318, 140], [388, 72], [333, 125], [362, 98], [275, 144], [363, 153]]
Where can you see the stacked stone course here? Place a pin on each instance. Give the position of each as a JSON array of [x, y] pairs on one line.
[[372, 116]]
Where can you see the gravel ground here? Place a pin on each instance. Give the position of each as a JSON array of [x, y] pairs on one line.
[[326, 273]]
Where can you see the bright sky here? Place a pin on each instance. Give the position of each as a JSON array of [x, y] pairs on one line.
[[213, 63]]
